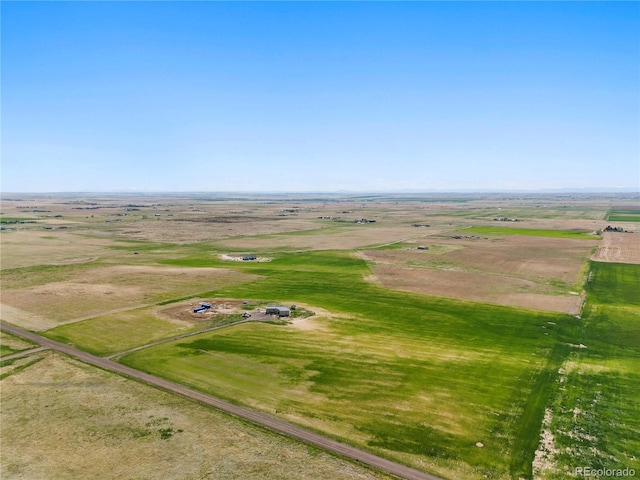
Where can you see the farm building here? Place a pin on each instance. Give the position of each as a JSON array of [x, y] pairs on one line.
[[280, 311], [249, 257]]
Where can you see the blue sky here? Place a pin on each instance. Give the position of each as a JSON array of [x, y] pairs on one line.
[[320, 96]]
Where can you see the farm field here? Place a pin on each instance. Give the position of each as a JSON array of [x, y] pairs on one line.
[[540, 273], [452, 358], [618, 248], [624, 214], [88, 290], [594, 413]]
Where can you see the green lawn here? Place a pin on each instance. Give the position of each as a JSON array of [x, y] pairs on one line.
[[415, 378], [533, 232]]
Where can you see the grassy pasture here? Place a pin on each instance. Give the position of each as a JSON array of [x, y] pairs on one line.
[[528, 272], [419, 379], [535, 232], [593, 417], [614, 284], [117, 332], [62, 419], [75, 292]]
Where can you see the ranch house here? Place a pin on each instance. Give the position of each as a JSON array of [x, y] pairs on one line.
[[280, 311]]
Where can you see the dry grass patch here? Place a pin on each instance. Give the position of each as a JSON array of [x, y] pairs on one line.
[[28, 320], [24, 248], [186, 231], [99, 291], [529, 272], [62, 419], [10, 344], [340, 237]]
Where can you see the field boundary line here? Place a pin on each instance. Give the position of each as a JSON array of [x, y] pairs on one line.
[[253, 416]]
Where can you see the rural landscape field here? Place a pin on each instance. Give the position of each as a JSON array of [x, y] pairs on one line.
[[465, 336]]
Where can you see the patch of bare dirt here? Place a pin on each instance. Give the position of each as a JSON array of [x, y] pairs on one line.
[[515, 271], [182, 312], [28, 320], [230, 258], [618, 247], [501, 290]]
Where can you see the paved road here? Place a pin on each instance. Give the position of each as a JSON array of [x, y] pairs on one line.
[[242, 412]]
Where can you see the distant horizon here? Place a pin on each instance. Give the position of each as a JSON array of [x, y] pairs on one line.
[[586, 191]]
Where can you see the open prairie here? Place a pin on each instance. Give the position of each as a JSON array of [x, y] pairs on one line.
[[92, 291], [442, 327], [62, 419]]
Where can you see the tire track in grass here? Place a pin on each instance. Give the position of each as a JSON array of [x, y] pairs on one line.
[[527, 437]]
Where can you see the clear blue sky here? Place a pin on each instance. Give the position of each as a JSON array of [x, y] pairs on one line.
[[322, 96]]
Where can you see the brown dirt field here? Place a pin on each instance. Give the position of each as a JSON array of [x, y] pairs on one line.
[[347, 237], [181, 231], [516, 271], [63, 419], [619, 248], [183, 312], [477, 287], [96, 291]]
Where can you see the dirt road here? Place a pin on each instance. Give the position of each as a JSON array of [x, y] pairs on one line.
[[259, 418]]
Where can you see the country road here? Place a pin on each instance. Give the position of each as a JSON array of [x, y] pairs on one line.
[[256, 417]]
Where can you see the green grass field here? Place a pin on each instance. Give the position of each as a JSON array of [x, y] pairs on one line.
[[415, 378], [595, 407], [533, 232], [623, 215], [116, 332]]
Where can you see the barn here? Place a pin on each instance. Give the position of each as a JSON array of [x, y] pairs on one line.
[[280, 311]]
